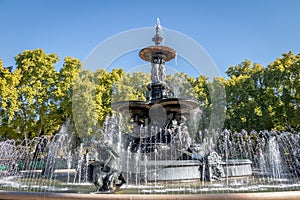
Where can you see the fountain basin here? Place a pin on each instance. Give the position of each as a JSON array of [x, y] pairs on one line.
[[176, 170], [172, 170], [237, 167]]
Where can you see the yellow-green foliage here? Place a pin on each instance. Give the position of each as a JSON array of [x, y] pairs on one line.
[[35, 99], [38, 94]]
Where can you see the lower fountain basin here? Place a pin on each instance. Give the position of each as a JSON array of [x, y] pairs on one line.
[[172, 170], [237, 167], [176, 170]]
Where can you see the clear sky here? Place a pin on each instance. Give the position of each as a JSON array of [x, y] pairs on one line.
[[229, 30]]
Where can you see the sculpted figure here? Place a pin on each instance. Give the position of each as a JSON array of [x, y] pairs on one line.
[[162, 72], [154, 73]]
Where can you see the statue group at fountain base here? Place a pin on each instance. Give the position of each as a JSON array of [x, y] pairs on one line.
[[107, 177]]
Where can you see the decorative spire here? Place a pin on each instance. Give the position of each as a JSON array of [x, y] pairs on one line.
[[157, 39]]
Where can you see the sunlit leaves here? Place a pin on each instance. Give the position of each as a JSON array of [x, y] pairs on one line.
[[35, 99], [264, 97], [42, 94], [84, 103]]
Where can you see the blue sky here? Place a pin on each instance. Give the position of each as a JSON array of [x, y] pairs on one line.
[[230, 31]]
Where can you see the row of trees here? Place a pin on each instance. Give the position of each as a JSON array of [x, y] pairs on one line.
[[35, 99], [264, 98]]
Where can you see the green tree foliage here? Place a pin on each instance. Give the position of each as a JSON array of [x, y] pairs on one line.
[[105, 83], [35, 91], [65, 83], [264, 98], [94, 93], [283, 85], [39, 95], [181, 85], [8, 99], [84, 103], [35, 99], [245, 96], [199, 88], [131, 86]]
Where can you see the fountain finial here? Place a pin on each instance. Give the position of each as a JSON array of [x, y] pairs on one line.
[[157, 39]]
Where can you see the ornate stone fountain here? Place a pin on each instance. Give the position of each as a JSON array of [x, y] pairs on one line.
[[161, 109], [169, 149]]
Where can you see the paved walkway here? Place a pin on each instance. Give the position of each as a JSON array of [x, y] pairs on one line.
[[8, 195]]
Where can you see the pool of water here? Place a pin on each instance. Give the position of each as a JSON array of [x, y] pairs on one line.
[[32, 181]]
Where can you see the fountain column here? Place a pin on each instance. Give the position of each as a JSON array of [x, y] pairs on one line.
[[158, 56]]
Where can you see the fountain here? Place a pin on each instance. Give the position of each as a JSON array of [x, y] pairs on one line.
[[157, 155], [170, 153]]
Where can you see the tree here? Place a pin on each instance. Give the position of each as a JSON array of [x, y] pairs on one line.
[[94, 93], [8, 100], [36, 100], [200, 87], [66, 80], [43, 94], [283, 86], [245, 109], [35, 91], [84, 104], [264, 98], [105, 83], [181, 85], [131, 87]]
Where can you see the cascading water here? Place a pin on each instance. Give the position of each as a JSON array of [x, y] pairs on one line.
[[41, 164], [274, 156]]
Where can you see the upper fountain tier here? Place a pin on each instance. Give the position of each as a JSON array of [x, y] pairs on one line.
[[157, 55], [160, 95], [152, 52]]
